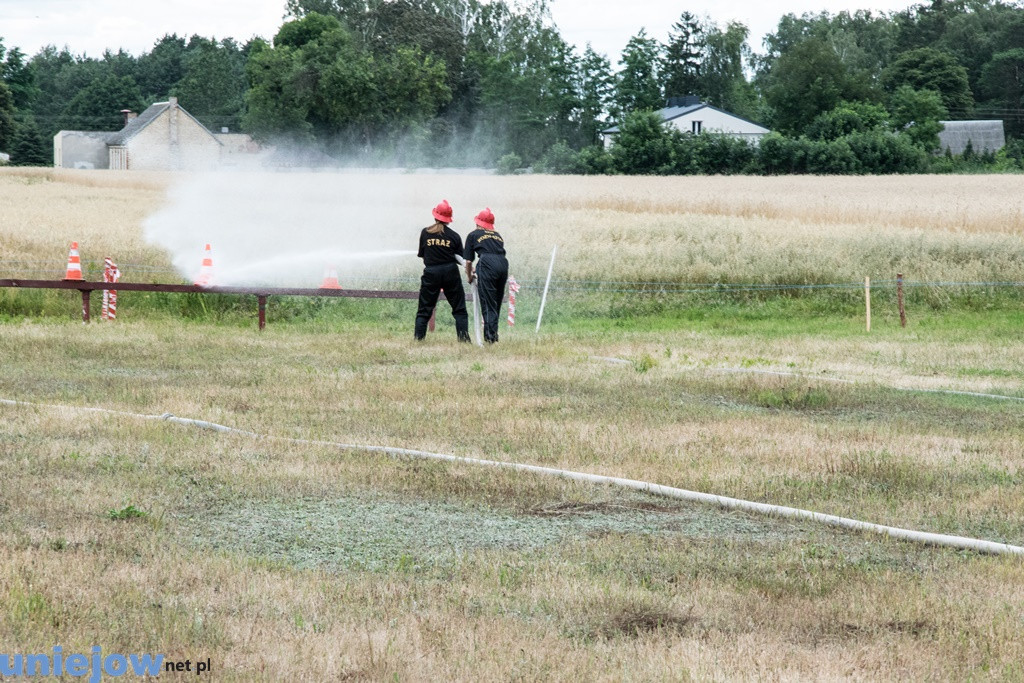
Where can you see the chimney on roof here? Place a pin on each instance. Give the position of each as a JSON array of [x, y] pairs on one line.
[[128, 115], [685, 101], [173, 101]]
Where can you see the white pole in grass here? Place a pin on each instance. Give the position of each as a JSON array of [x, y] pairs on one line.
[[547, 283], [867, 300]]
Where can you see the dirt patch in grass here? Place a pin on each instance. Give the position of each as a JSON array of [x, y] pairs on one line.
[[634, 622]]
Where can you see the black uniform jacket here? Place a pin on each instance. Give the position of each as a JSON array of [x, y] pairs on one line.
[[441, 248], [482, 242]]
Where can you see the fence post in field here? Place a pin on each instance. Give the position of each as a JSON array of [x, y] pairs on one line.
[[899, 299], [867, 301]]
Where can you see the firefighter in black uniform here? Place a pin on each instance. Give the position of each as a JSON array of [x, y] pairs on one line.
[[491, 271], [440, 249]]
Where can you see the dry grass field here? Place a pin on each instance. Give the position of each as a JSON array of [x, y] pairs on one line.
[[281, 561]]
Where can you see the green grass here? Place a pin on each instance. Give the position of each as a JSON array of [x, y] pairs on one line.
[[127, 512], [253, 551]]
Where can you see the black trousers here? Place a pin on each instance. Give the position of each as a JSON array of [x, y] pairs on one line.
[[491, 276], [449, 278]]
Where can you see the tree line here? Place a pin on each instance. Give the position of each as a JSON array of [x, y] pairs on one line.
[[465, 83]]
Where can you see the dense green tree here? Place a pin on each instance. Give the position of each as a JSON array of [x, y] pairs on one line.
[[312, 27], [974, 36], [275, 108], [6, 117], [643, 145], [352, 10], [1002, 86], [723, 82], [28, 147], [848, 118], [559, 159], [160, 69], [527, 84], [683, 56], [862, 41], [638, 86], [918, 113], [926, 68], [60, 76], [720, 154], [807, 80], [596, 86], [98, 106], [19, 76], [921, 25], [595, 159], [880, 152], [406, 23], [213, 85], [355, 15], [121, 64], [320, 82]]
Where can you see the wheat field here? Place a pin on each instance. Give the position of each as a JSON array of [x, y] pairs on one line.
[[286, 561], [801, 230]]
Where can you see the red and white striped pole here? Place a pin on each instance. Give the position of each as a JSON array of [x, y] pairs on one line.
[[513, 287], [110, 274]]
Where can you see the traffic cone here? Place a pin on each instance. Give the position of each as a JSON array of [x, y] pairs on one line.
[[330, 279], [206, 271], [74, 264]]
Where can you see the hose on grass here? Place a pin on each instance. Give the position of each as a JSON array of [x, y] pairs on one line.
[[724, 502]]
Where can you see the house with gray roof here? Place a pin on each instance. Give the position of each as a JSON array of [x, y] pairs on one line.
[[165, 137], [984, 136], [690, 115]]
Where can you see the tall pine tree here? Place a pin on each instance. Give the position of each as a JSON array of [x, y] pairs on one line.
[[28, 147], [683, 58], [638, 86]]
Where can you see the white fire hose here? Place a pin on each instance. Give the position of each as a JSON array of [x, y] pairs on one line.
[[476, 306], [928, 538]]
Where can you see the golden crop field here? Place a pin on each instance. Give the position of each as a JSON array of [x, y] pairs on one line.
[[281, 560], [682, 229]]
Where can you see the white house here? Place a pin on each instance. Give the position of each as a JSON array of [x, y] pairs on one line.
[[690, 115], [165, 137]]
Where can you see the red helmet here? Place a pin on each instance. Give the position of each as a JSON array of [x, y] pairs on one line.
[[485, 219], [443, 212]]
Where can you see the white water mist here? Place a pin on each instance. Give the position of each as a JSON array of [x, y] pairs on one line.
[[289, 228]]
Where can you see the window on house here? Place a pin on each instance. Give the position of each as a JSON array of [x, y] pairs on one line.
[[695, 126]]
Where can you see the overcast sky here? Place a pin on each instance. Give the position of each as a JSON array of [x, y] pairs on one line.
[[90, 26]]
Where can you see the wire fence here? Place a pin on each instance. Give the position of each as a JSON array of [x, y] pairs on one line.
[[136, 272]]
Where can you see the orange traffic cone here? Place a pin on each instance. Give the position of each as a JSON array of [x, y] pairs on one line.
[[74, 264], [330, 279], [206, 271]]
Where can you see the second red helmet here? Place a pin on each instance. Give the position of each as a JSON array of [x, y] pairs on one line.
[[485, 219]]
